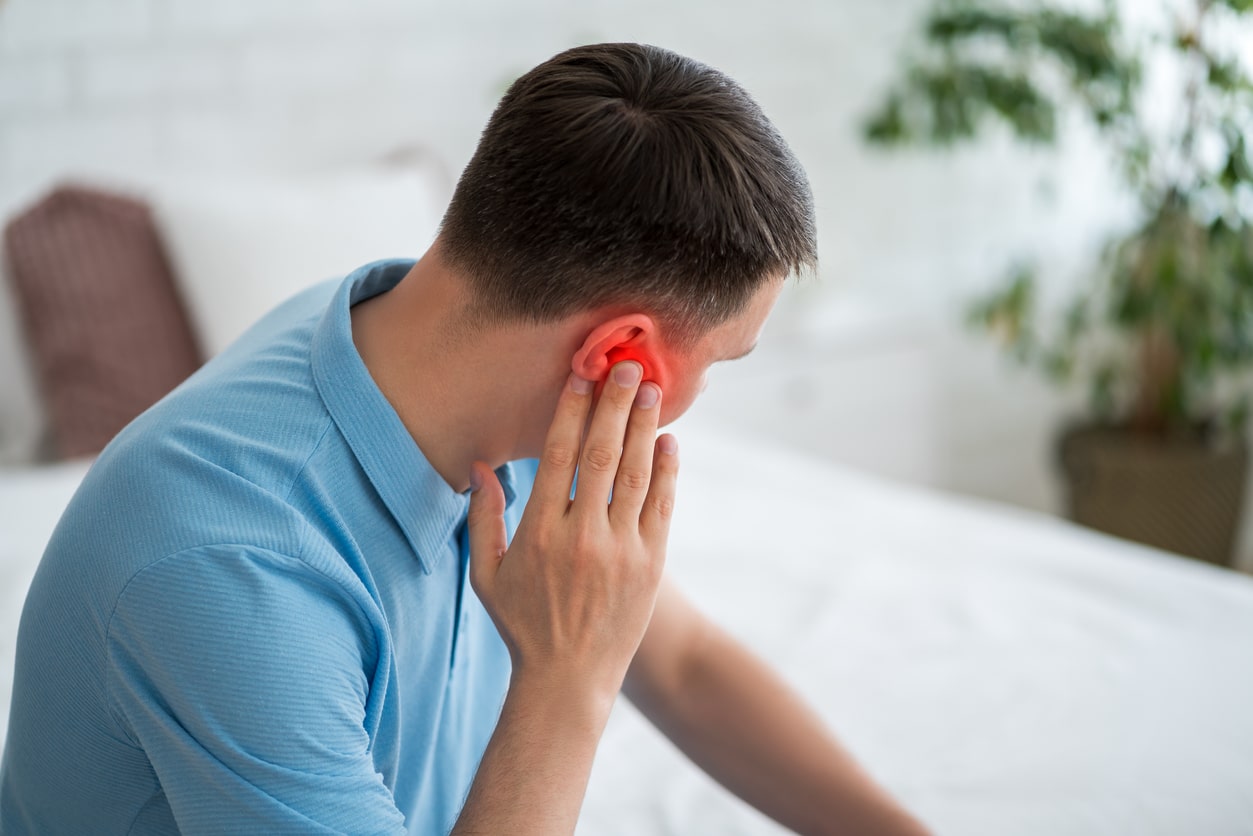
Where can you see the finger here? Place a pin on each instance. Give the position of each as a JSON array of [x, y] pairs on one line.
[[659, 504], [486, 526], [603, 448], [560, 456], [630, 486]]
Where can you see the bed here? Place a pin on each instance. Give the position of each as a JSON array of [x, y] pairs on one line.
[[1001, 672]]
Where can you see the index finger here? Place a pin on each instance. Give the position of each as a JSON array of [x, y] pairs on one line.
[[554, 477]]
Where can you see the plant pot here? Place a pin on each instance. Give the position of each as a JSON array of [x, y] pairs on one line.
[[1182, 494]]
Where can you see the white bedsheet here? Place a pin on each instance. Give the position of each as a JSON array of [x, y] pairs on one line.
[[31, 501], [1001, 672]]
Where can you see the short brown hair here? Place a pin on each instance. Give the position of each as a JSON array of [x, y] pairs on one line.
[[626, 174]]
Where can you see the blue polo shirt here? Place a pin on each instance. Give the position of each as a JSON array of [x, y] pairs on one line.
[[255, 615]]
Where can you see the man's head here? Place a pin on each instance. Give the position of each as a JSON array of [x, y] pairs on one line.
[[630, 181]]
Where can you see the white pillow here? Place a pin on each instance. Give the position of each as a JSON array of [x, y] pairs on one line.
[[21, 416], [242, 245]]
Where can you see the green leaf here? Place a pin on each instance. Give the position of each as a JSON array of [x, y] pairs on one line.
[[1239, 6], [1083, 44], [1101, 394], [1008, 311], [1228, 76], [1238, 415], [948, 103], [947, 25], [887, 126], [1077, 319], [1237, 168], [1018, 101], [1058, 365]]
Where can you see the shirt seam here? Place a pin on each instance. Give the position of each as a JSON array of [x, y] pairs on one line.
[[295, 479]]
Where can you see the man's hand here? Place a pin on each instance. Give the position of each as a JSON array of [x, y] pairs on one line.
[[574, 592], [571, 596]]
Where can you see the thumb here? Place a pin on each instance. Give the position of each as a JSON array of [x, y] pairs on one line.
[[485, 525]]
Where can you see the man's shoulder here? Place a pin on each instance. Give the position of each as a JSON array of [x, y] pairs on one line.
[[254, 411], [215, 460]]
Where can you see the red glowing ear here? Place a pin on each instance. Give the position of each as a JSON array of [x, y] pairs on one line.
[[628, 337], [622, 353]]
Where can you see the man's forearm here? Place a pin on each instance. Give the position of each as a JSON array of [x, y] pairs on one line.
[[534, 773], [743, 725]]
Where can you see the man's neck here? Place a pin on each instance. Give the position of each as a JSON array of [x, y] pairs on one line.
[[464, 394]]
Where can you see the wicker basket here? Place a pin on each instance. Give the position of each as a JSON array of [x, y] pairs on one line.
[[1184, 495]]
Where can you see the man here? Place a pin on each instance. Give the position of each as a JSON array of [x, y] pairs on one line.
[[325, 587]]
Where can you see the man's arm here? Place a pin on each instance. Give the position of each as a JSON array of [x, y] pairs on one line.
[[571, 596], [737, 720]]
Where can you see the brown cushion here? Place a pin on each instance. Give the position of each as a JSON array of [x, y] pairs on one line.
[[100, 311]]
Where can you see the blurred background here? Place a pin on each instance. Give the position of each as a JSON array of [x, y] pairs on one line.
[[870, 363]]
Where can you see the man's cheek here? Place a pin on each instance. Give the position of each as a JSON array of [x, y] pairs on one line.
[[675, 403]]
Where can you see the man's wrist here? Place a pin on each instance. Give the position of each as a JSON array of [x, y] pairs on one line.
[[534, 772], [566, 700]]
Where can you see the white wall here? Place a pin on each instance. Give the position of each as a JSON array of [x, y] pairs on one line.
[[121, 85], [127, 86]]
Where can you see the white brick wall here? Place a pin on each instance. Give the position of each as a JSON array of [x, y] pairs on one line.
[[33, 85], [143, 77], [30, 25], [119, 85], [111, 143]]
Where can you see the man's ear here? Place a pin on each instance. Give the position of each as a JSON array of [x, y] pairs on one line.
[[629, 337]]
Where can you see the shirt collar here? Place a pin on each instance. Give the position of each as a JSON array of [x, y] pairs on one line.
[[425, 507]]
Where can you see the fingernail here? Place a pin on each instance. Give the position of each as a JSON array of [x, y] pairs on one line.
[[647, 396], [627, 374], [476, 481], [668, 444], [580, 385]]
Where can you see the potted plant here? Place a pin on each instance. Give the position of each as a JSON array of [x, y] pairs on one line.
[[1162, 330]]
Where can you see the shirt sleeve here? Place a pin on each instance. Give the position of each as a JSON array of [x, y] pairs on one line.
[[245, 676]]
